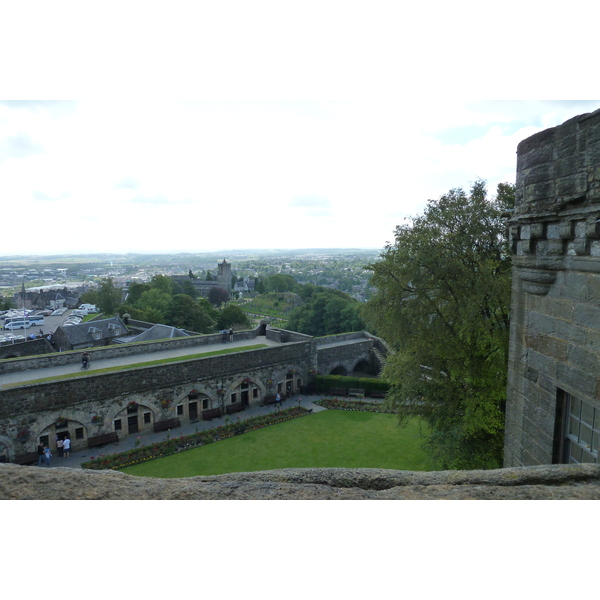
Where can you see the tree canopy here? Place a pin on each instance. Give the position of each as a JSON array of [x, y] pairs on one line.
[[442, 302], [326, 312]]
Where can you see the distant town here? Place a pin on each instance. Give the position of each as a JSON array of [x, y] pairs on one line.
[[339, 269]]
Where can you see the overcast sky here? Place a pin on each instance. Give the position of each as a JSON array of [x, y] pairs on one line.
[[324, 127]]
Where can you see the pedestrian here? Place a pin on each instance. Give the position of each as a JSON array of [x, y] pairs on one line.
[[59, 447], [40, 451], [47, 456], [278, 400], [231, 334], [67, 447], [224, 336]]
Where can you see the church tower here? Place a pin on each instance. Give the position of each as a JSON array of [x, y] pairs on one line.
[[224, 275]]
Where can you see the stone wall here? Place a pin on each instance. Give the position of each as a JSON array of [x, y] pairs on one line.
[[554, 482], [58, 359], [91, 403], [555, 316], [27, 348]]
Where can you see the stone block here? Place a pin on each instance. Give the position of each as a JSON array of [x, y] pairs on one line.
[[587, 316], [584, 358], [575, 381], [554, 347]]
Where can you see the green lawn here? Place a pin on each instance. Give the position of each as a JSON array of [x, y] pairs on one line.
[[330, 438]]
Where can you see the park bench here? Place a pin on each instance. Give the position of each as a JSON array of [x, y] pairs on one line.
[[269, 399], [103, 439], [360, 393], [377, 394], [27, 458], [211, 413], [232, 408], [166, 425], [337, 391]]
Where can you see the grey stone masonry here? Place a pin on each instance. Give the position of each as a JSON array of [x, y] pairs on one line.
[[554, 236]]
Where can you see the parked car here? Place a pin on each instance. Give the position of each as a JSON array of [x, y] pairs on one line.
[[44, 313]]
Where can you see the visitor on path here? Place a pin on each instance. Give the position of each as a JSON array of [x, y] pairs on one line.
[[278, 400], [59, 447], [224, 336], [40, 451], [47, 456], [67, 447], [85, 360], [231, 334]]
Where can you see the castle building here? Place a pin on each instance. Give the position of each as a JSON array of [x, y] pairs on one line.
[[553, 394]]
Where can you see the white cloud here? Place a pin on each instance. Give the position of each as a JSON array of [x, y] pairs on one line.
[[148, 175]]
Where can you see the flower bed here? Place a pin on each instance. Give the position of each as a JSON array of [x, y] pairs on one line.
[[187, 442], [361, 405]]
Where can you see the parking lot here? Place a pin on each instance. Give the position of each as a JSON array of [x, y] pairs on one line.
[[51, 323]]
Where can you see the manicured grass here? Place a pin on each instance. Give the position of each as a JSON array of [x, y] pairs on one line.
[[330, 438]]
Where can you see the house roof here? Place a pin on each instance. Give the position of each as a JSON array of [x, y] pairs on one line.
[[83, 333], [156, 332]]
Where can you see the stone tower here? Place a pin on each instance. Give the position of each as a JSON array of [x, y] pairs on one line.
[[224, 275], [553, 395]]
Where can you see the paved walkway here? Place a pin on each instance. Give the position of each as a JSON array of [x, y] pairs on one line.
[[128, 442], [33, 374]]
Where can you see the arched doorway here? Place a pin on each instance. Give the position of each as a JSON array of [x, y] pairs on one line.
[[339, 370]]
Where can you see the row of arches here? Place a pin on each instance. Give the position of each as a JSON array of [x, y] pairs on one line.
[[138, 413]]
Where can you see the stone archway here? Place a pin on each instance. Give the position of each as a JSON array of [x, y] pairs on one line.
[[361, 368], [339, 370], [7, 452]]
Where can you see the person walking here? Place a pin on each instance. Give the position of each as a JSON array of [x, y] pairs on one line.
[[231, 334], [67, 447], [47, 456], [59, 447], [278, 400], [40, 451]]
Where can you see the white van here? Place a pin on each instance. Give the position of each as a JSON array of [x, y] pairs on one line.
[[89, 308], [79, 312], [18, 324]]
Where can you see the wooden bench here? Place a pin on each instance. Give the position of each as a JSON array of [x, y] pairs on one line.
[[360, 393], [103, 439], [211, 413], [269, 399], [377, 394], [337, 392], [165, 425], [28, 458], [232, 408]]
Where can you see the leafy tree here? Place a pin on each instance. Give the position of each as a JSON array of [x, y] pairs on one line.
[[184, 313], [185, 287], [136, 290], [109, 297], [162, 283], [442, 301], [326, 312], [155, 303], [217, 296], [232, 315], [191, 275], [280, 283]]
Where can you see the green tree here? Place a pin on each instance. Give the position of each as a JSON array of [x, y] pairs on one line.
[[135, 292], [232, 315], [442, 302], [108, 297], [184, 313], [326, 312], [162, 283], [155, 304]]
